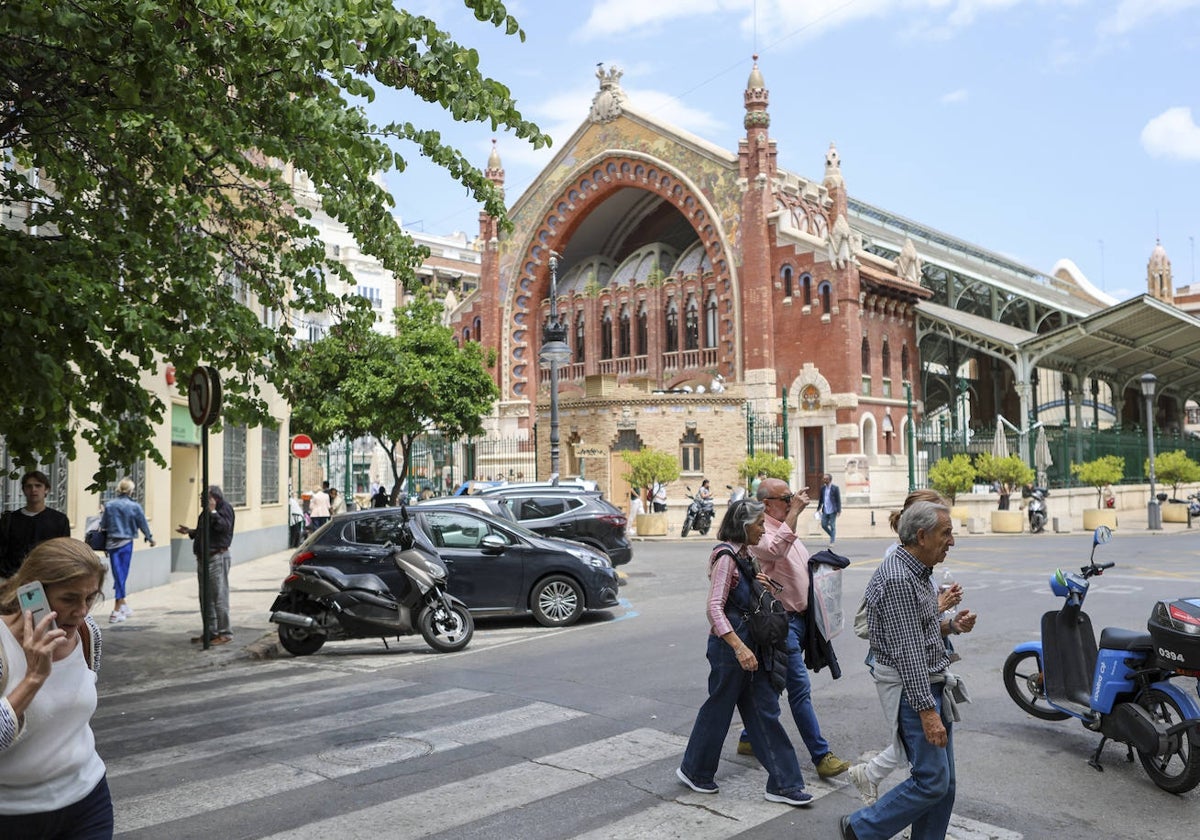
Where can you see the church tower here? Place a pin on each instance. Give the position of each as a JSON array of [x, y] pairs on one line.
[[1159, 282], [489, 266]]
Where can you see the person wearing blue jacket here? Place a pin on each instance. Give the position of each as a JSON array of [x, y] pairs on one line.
[[123, 518]]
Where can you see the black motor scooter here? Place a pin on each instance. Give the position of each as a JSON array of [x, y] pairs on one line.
[[699, 514], [319, 604]]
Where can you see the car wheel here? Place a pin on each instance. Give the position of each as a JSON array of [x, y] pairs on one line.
[[557, 601]]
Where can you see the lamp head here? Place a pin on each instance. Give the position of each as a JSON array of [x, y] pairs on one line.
[[1149, 382]]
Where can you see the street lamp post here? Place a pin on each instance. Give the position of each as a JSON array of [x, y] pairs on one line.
[[1153, 509], [555, 352], [912, 439]]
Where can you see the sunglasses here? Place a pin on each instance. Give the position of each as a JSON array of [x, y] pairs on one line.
[[785, 499]]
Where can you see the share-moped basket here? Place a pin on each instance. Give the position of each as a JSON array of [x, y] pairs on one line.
[[1175, 628]]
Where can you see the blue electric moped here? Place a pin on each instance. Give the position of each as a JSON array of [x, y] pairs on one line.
[[1131, 688]]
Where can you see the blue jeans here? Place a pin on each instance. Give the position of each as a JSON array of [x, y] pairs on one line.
[[91, 818], [799, 693], [751, 694], [118, 560], [926, 798], [829, 525]]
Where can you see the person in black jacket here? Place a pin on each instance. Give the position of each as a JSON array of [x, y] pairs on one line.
[[220, 538], [21, 530]]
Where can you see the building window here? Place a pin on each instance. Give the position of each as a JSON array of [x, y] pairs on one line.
[[466, 336], [710, 321], [136, 473], [806, 289], [904, 363], [825, 292], [787, 281], [885, 359], [624, 336], [866, 357], [234, 460], [866, 386], [691, 452], [477, 327], [643, 331], [691, 336], [270, 466], [579, 337], [606, 335], [672, 326]]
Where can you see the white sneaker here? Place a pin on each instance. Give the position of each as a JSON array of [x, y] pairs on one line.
[[117, 617], [868, 790], [128, 613]]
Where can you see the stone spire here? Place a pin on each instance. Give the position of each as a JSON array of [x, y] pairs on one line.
[[1158, 275], [495, 170], [833, 167], [756, 98]]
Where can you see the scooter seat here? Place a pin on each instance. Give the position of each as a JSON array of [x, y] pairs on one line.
[[1114, 638], [365, 582]]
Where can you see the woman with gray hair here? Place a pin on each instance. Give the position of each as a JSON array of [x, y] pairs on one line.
[[735, 679], [123, 518]]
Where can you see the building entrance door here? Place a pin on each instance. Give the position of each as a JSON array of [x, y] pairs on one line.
[[814, 458]]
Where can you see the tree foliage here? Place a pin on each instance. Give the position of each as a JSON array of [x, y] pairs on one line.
[[1174, 468], [1011, 472], [951, 476], [1107, 469], [356, 383], [155, 153], [647, 466], [775, 466]]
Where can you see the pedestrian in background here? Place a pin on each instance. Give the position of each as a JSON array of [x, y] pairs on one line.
[[52, 780], [735, 679], [337, 502], [21, 530], [381, 499], [318, 506], [214, 614], [829, 506], [658, 497], [123, 518], [295, 521]]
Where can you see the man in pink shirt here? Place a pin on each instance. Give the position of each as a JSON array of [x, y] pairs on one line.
[[785, 559]]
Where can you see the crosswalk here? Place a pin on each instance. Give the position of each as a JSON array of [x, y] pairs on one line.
[[304, 751]]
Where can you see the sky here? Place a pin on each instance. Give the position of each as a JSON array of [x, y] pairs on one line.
[[1038, 129]]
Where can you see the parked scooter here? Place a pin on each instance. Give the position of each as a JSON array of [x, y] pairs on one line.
[[699, 514], [1036, 509], [1194, 505], [320, 603], [1122, 688]]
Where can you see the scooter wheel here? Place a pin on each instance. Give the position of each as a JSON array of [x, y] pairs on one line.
[[687, 526], [298, 641], [1025, 684], [447, 634], [1178, 769]]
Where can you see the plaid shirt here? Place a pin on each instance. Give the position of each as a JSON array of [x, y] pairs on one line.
[[903, 619]]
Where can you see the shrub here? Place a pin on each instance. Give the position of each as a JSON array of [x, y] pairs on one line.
[[647, 466], [1174, 468], [1103, 471], [951, 476]]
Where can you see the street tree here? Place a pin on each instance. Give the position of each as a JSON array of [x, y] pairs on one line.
[[356, 382], [159, 165]]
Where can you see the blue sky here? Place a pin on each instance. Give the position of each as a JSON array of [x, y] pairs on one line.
[[1040, 129]]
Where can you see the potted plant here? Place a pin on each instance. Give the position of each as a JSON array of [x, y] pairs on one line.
[[1100, 473], [1174, 468], [648, 467], [951, 476], [1010, 472]]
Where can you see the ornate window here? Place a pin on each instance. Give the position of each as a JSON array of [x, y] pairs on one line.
[[477, 329], [234, 461], [825, 293], [643, 331], [579, 336], [866, 356], [624, 348], [672, 326], [710, 321], [691, 336], [810, 398], [904, 362], [606, 335], [691, 452], [806, 289], [885, 359], [786, 274]]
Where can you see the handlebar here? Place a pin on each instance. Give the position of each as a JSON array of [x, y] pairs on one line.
[[1095, 569]]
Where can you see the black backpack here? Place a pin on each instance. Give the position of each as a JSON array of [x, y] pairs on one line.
[[766, 616]]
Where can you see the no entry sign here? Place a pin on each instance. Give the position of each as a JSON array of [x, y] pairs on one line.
[[302, 446]]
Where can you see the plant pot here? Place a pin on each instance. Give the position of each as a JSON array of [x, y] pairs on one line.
[[1174, 513], [1008, 521], [1093, 518], [651, 525], [960, 513]]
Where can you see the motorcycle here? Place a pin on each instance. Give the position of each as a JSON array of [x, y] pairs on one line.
[[699, 514], [1037, 511], [317, 604], [1122, 688], [1194, 505]]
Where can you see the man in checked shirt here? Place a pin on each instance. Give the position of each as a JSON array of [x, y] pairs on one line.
[[910, 672]]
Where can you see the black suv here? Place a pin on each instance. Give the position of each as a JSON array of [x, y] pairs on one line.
[[569, 513]]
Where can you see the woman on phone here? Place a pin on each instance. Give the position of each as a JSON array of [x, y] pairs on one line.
[[52, 780]]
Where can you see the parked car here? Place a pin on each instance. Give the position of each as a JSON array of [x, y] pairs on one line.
[[496, 567], [570, 513], [490, 505]]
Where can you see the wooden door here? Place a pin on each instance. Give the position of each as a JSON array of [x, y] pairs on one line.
[[814, 459]]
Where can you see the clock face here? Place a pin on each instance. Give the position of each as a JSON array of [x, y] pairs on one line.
[[199, 396]]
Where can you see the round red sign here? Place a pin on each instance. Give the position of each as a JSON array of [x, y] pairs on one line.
[[302, 446]]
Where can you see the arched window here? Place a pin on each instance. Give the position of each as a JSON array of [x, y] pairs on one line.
[[643, 331], [866, 356], [672, 326], [623, 342], [806, 289], [478, 329], [606, 335], [691, 452], [904, 362], [825, 292], [579, 335], [691, 335], [710, 321], [466, 336], [885, 359], [786, 274]]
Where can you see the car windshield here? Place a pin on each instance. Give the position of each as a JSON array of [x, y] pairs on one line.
[[496, 523]]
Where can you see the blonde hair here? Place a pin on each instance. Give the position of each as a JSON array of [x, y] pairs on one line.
[[922, 495], [125, 487], [60, 560]]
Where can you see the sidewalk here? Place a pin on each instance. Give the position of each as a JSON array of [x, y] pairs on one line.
[[156, 639]]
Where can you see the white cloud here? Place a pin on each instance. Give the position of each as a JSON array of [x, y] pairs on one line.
[[955, 97], [1172, 134], [1130, 14]]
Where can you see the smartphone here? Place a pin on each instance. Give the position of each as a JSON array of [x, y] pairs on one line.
[[32, 596]]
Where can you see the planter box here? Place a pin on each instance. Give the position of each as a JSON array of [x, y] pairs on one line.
[[1093, 518], [1007, 521], [960, 514], [651, 524], [1174, 513]]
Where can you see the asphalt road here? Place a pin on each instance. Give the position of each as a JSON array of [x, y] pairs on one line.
[[537, 733]]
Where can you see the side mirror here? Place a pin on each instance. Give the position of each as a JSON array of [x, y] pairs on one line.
[[1103, 535], [493, 542]]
